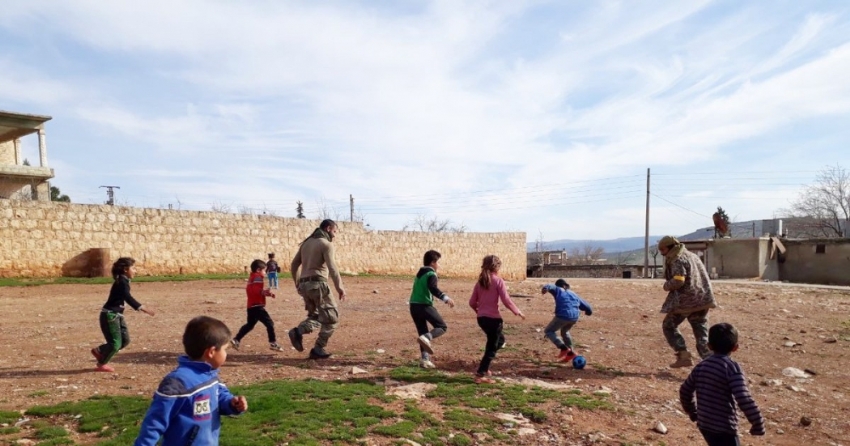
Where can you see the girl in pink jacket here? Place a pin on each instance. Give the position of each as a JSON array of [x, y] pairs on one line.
[[489, 289]]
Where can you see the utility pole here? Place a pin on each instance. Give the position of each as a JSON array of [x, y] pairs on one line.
[[351, 201], [646, 236], [110, 194]]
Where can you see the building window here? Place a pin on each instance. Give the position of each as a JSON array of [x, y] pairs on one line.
[[820, 249]]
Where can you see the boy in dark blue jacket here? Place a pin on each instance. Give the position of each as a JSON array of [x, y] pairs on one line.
[[188, 405], [567, 306]]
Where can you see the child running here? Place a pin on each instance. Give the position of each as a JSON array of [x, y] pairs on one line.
[[257, 307], [488, 291], [567, 307], [188, 405], [112, 322], [422, 307], [719, 383]]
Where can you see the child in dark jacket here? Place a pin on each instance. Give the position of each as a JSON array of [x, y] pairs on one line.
[[188, 405], [567, 307], [422, 309], [719, 384], [112, 322]]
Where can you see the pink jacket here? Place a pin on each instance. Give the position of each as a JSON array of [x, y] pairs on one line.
[[485, 302]]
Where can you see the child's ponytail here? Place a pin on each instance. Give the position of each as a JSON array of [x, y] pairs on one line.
[[489, 265], [121, 266]]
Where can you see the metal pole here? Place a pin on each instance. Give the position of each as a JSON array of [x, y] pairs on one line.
[[646, 236], [351, 201]]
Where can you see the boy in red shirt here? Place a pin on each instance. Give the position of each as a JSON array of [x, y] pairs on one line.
[[257, 306]]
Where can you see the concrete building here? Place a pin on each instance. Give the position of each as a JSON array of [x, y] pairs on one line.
[[18, 181]]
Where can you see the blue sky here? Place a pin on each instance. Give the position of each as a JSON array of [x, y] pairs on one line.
[[533, 116]]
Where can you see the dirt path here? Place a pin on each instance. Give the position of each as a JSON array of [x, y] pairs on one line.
[[49, 330]]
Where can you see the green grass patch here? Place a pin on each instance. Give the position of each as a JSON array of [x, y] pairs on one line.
[[312, 412], [9, 416], [9, 430], [107, 280]]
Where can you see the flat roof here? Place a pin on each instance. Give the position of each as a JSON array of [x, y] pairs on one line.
[[15, 125]]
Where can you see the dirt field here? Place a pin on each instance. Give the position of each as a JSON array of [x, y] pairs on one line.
[[49, 330]]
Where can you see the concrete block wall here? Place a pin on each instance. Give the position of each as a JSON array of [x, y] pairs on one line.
[[37, 238]]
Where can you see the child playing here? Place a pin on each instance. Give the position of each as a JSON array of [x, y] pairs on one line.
[[112, 322], [422, 307], [188, 405], [489, 289], [257, 307], [567, 306], [272, 268], [719, 383]]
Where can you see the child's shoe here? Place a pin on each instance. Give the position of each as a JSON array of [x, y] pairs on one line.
[[235, 344], [567, 355], [96, 353], [426, 364], [274, 346], [104, 368], [425, 342], [683, 359], [483, 379]]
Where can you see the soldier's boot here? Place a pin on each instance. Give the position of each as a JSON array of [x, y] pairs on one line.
[[683, 359], [319, 353]]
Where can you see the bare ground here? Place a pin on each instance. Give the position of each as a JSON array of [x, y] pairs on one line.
[[49, 331]]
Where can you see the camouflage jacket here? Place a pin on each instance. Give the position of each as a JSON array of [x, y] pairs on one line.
[[688, 286]]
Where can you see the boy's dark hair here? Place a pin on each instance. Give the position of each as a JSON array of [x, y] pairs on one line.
[[723, 338], [430, 257], [327, 224], [257, 265], [271, 255], [121, 266], [561, 283], [202, 333]]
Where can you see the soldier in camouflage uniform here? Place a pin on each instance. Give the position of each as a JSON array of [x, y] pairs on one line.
[[315, 257], [689, 296]]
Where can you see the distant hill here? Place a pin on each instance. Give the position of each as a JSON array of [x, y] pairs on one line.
[[615, 245]]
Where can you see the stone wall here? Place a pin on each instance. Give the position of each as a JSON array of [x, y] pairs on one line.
[[804, 263], [37, 239]]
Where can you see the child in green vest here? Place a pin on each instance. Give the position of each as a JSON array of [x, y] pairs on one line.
[[422, 307]]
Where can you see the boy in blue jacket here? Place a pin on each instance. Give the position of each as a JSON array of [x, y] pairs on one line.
[[567, 306], [189, 402]]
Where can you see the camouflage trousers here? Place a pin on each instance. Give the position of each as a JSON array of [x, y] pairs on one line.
[[322, 312], [699, 323]]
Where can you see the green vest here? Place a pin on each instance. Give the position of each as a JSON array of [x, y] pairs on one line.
[[421, 294]]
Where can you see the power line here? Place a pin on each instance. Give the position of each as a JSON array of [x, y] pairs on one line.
[[678, 205]]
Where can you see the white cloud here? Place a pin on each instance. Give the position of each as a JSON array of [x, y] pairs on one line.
[[444, 97]]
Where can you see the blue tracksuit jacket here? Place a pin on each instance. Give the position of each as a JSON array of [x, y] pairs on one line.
[[567, 303], [187, 407]]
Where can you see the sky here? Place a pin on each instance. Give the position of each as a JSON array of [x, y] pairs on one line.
[[533, 116]]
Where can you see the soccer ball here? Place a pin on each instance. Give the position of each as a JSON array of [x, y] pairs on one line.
[[579, 362]]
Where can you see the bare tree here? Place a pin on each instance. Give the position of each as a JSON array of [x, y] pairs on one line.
[[299, 209], [243, 209], [221, 207], [426, 223], [586, 255], [653, 251], [328, 211], [824, 207]]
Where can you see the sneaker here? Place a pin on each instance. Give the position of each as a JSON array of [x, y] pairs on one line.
[[502, 345], [567, 355], [274, 346], [425, 342], [96, 353], [683, 359], [484, 380], [295, 339], [234, 343], [319, 353], [426, 364], [104, 368]]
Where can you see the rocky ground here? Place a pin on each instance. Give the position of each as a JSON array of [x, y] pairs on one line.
[[794, 348]]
